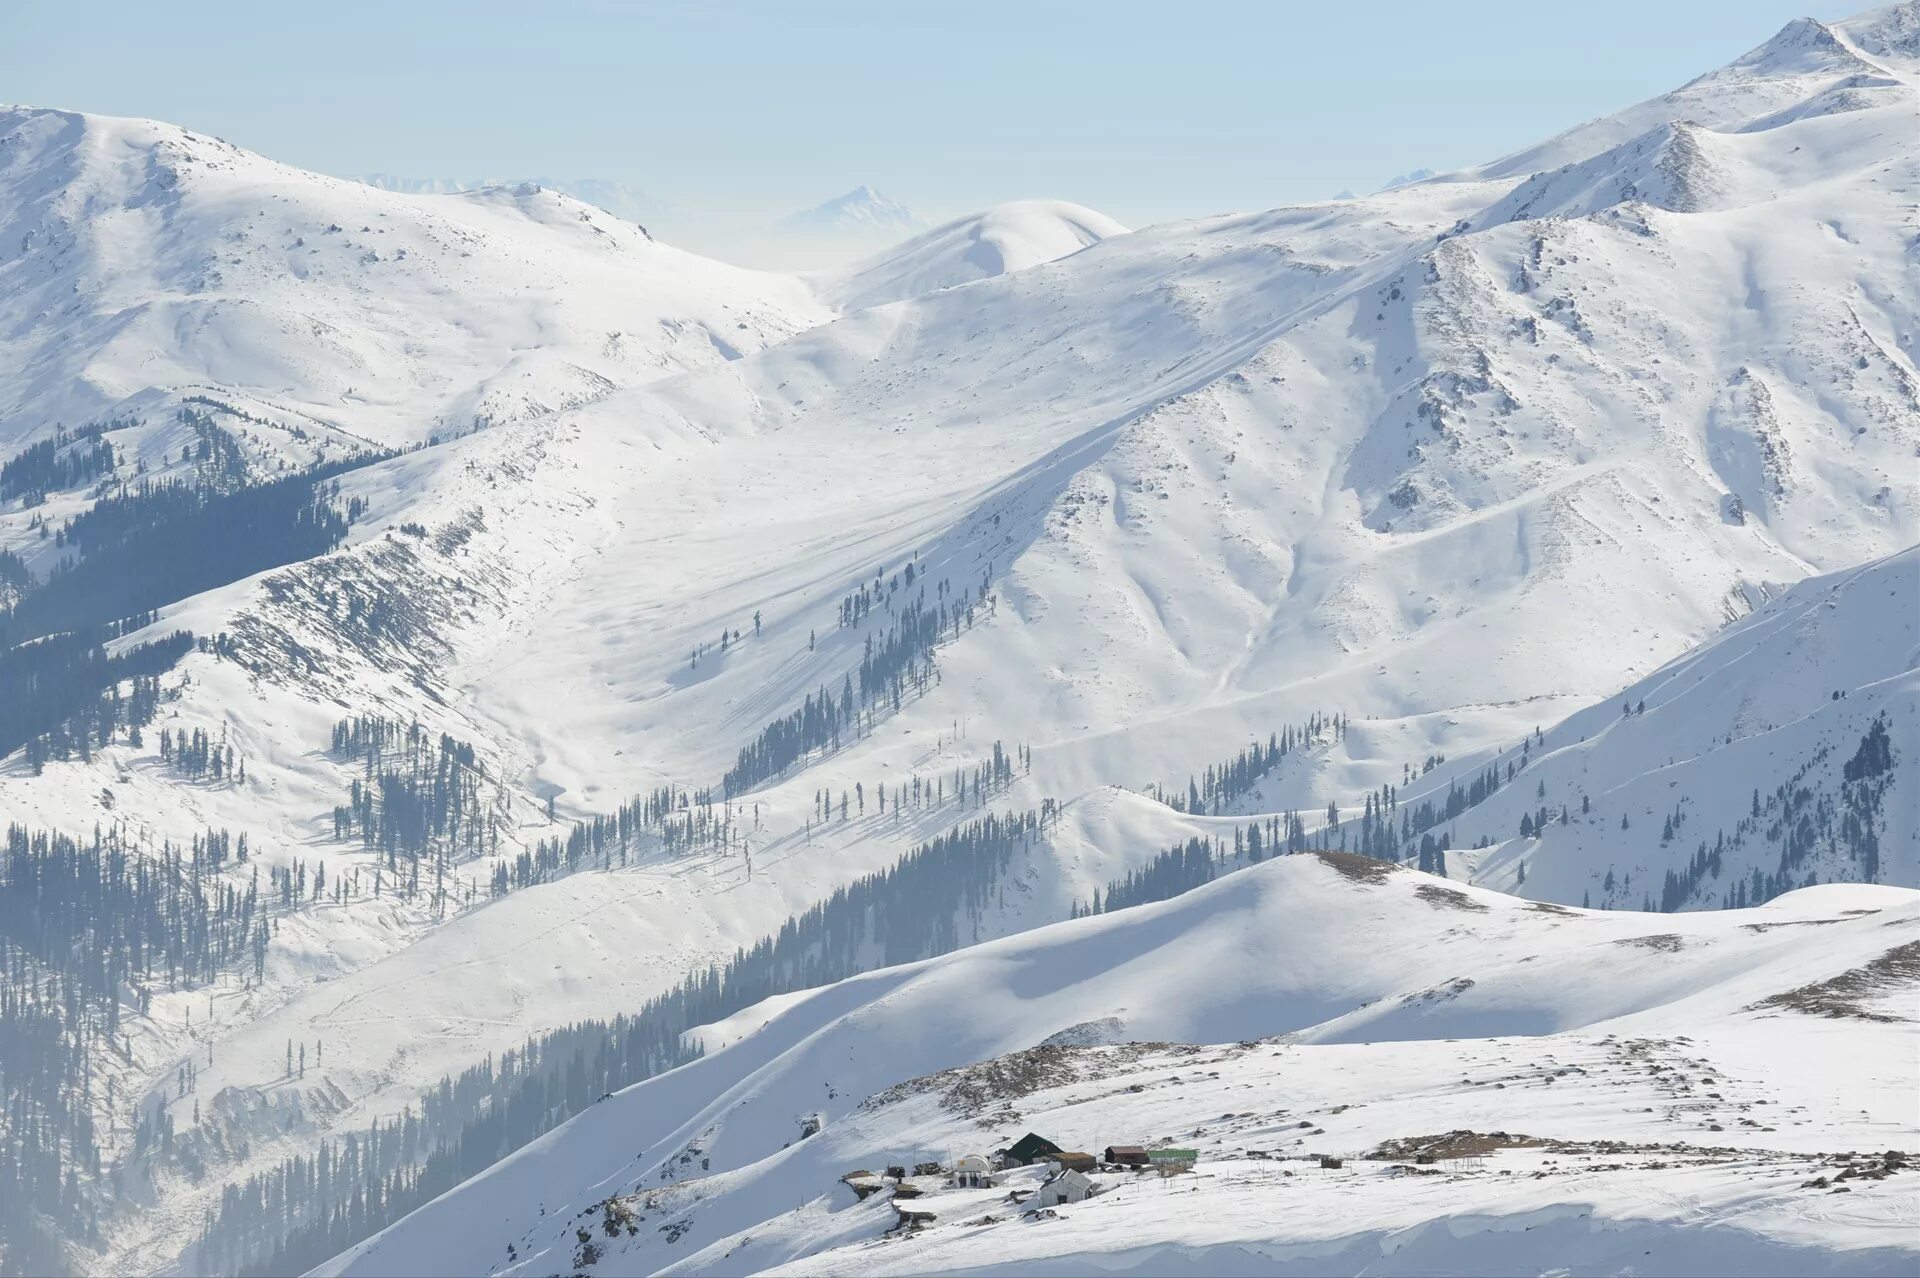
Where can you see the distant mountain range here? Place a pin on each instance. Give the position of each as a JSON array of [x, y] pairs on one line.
[[851, 226], [1404, 179]]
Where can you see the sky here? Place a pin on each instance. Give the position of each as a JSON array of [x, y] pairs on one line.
[[728, 115]]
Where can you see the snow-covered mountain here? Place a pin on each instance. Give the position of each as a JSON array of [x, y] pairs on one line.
[[843, 229], [679, 569], [1007, 237], [862, 211], [1600, 1086], [146, 264]]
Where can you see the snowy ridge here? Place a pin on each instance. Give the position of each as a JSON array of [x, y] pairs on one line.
[[143, 256], [1803, 60], [616, 198], [1559, 1010]]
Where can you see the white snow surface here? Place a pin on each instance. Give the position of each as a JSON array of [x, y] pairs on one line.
[[1328, 1005], [1467, 458]]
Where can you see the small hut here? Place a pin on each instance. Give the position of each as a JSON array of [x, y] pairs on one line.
[[1125, 1156], [1075, 1160], [1064, 1186], [1171, 1162]]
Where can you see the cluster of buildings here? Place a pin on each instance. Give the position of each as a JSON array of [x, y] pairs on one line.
[[1068, 1182], [1069, 1178]]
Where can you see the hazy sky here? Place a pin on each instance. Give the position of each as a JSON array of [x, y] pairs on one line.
[[741, 112]]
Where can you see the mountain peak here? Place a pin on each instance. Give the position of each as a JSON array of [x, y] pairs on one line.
[[1802, 45], [861, 210]]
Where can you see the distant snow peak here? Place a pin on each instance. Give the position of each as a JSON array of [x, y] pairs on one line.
[[1408, 178], [863, 210], [844, 229]]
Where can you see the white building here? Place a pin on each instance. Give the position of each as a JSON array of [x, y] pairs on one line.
[[1064, 1186], [970, 1171]]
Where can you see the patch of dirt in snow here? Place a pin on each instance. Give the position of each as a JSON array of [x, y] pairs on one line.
[[969, 1089], [1454, 1144], [1845, 995], [1359, 869], [1445, 898], [1665, 942]]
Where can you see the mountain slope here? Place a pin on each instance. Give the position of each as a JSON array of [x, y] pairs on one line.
[[1564, 1015], [1226, 474], [1782, 751]]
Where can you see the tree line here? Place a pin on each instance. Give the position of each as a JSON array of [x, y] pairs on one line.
[[1802, 823], [419, 799], [68, 459], [896, 663], [136, 549], [84, 924], [311, 1207], [1220, 784]]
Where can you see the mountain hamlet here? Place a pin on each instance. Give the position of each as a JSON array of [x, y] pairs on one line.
[[1379, 736]]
